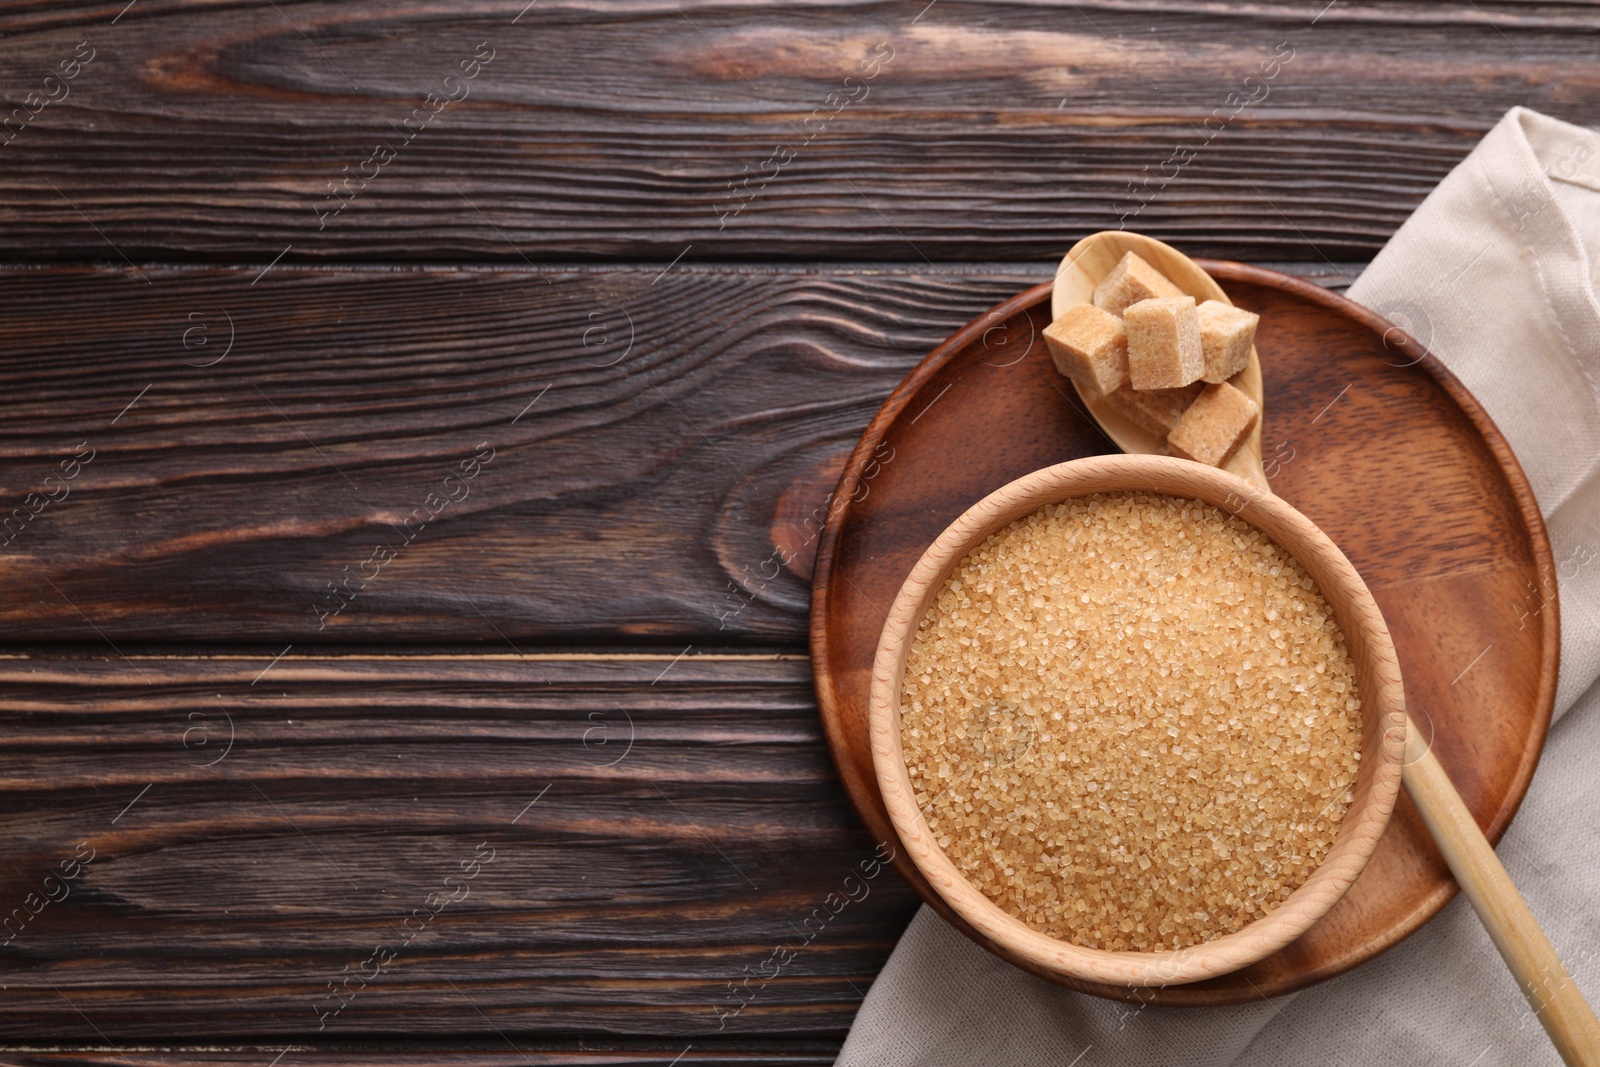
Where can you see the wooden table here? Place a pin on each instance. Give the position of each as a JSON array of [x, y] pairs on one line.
[[397, 665]]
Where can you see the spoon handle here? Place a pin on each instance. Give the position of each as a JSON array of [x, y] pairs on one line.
[[1552, 994]]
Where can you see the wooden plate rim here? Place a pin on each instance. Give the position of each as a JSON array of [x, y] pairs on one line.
[[1516, 480]]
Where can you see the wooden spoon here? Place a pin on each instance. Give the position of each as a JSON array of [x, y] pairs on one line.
[[1551, 992], [1092, 259]]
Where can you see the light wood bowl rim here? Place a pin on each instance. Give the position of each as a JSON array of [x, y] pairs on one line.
[[1371, 649]]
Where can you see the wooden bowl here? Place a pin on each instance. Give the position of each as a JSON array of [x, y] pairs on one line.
[[1367, 639]]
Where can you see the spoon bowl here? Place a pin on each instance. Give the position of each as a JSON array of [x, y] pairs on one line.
[[1090, 260]]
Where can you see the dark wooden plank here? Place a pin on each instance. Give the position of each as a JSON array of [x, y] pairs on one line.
[[635, 490], [995, 130], [597, 845]]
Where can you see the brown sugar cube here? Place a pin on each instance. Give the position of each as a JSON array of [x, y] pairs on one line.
[[1091, 346], [1153, 410], [1163, 342], [1129, 282], [1226, 334], [1214, 425]]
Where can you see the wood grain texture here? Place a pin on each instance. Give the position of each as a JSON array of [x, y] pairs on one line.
[[207, 130], [645, 459], [658, 828], [1459, 564]]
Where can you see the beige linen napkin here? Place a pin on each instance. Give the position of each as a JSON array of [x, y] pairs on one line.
[[1496, 274]]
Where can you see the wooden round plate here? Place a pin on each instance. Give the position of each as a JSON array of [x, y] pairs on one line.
[[1369, 436]]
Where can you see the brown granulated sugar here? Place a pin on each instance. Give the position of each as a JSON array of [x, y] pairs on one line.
[[1131, 721]]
